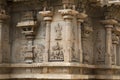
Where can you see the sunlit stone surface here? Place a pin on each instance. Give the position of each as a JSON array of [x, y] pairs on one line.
[[59, 40]]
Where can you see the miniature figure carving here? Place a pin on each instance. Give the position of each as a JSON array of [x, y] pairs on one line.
[[58, 30], [101, 54], [73, 53], [38, 53], [115, 42], [57, 53], [85, 57]]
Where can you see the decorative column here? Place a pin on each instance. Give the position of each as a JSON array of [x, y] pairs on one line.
[[47, 18], [28, 24], [68, 15], [109, 25], [115, 42], [80, 19]]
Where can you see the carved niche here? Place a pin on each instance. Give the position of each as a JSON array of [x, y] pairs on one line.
[[100, 49], [57, 53], [87, 29], [86, 38], [115, 42]]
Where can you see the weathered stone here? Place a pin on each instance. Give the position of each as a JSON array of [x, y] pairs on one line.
[[59, 40]]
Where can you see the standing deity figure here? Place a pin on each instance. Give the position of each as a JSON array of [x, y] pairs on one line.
[[58, 30]]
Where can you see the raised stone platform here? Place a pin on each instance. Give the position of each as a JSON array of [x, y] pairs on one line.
[[59, 71]]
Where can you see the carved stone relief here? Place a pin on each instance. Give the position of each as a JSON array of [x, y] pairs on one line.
[[58, 30], [113, 56], [22, 53], [86, 57], [38, 53], [115, 42], [57, 53], [74, 55], [86, 38], [100, 54], [87, 29], [100, 49]]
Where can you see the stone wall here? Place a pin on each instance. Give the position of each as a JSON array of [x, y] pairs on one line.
[[59, 39]]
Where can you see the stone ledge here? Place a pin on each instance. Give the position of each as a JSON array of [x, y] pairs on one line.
[[58, 64], [58, 76], [5, 76]]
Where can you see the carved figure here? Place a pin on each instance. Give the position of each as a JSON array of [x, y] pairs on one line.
[[72, 52], [86, 57], [38, 53], [112, 55], [101, 53], [22, 52], [58, 30], [57, 53]]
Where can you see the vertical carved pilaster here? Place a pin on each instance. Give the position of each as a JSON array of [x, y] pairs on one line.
[[108, 43], [108, 26], [68, 17], [47, 18], [115, 42], [3, 17], [28, 24], [80, 19]]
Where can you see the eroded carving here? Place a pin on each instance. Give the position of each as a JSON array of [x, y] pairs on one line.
[[38, 53], [58, 30], [86, 58], [74, 55], [115, 42], [100, 54], [57, 53], [87, 29], [28, 25], [100, 48]]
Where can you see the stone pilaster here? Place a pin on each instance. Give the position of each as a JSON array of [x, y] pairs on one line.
[[47, 18], [80, 19], [68, 15], [3, 17], [108, 26], [115, 42]]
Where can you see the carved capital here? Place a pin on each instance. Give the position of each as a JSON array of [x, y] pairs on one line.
[[81, 17], [68, 13], [109, 22], [115, 39], [47, 15]]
